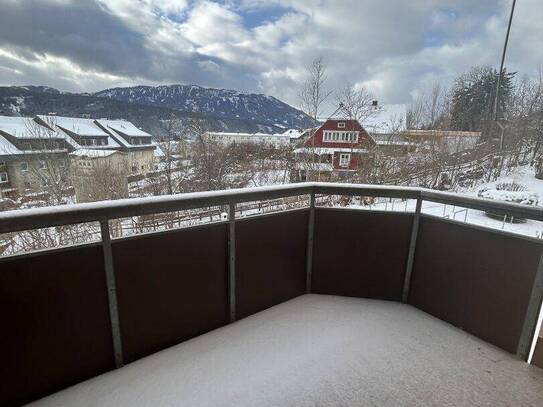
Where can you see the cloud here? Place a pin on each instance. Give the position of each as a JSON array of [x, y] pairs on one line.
[[394, 48]]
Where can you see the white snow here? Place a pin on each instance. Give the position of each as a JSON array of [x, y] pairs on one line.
[[6, 148], [319, 351], [123, 126], [22, 127], [77, 125], [87, 152]]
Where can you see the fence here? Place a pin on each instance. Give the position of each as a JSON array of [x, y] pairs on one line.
[[76, 312]]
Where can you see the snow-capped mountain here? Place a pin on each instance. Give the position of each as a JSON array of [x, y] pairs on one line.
[[218, 103]]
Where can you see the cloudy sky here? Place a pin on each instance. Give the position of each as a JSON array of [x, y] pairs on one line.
[[395, 48]]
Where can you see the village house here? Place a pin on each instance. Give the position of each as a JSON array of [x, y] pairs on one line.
[[30, 155], [335, 150]]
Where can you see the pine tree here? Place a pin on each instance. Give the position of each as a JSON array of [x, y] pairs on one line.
[[473, 99]]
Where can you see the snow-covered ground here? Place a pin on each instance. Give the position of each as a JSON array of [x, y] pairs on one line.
[[523, 175], [318, 350]]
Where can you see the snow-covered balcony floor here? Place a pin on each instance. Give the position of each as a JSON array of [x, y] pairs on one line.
[[320, 351]]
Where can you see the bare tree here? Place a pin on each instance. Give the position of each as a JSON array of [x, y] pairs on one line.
[[356, 103], [431, 109], [313, 92], [47, 161], [101, 178]]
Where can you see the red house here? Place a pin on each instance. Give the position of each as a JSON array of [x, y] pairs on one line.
[[334, 150]]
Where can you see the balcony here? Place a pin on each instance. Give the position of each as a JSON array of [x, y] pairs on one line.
[[308, 306]]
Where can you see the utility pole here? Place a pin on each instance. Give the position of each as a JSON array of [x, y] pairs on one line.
[[498, 85]]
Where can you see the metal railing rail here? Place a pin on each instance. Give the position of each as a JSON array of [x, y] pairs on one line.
[[35, 218], [103, 212]]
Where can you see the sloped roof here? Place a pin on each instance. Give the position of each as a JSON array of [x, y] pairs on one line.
[[25, 127], [123, 126], [81, 127], [294, 133], [6, 148]]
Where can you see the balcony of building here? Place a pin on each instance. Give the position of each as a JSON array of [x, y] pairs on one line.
[[313, 304]]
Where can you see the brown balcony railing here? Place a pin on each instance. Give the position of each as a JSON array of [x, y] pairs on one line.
[[75, 312]]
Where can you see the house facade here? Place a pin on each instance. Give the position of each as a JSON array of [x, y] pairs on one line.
[[99, 174], [136, 143], [333, 150], [31, 156]]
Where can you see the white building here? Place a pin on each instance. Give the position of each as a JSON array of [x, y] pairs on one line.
[[272, 140]]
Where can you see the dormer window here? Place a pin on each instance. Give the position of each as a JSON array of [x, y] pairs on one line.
[[341, 125]]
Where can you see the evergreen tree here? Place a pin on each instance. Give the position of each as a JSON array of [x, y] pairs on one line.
[[473, 99]]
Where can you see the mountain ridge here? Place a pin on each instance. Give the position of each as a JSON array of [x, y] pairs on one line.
[[149, 107]]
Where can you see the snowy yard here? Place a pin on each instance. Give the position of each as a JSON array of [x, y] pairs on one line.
[[320, 351], [523, 175]]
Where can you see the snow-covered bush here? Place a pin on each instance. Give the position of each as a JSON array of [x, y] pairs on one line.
[[509, 192]]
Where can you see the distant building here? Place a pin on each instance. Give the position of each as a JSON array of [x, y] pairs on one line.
[[272, 140], [100, 134], [99, 174], [137, 143], [30, 147], [447, 141], [333, 150], [29, 155], [386, 124]]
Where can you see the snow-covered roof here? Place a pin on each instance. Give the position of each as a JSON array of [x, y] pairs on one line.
[[25, 127], [6, 148], [294, 133], [386, 119], [123, 126], [81, 127], [158, 152], [92, 153]]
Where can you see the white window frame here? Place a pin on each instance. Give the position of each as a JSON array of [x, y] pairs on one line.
[[4, 177], [340, 136], [43, 164], [341, 125], [344, 159]]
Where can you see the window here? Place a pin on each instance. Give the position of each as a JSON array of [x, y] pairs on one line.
[[341, 125], [43, 165], [344, 159], [340, 136], [24, 166], [62, 164], [4, 177], [27, 146]]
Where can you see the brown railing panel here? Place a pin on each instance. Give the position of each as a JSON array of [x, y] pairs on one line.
[[270, 260], [171, 287], [478, 280], [537, 358], [55, 322], [360, 253]]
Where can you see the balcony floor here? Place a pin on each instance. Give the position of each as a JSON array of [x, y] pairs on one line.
[[325, 351]]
